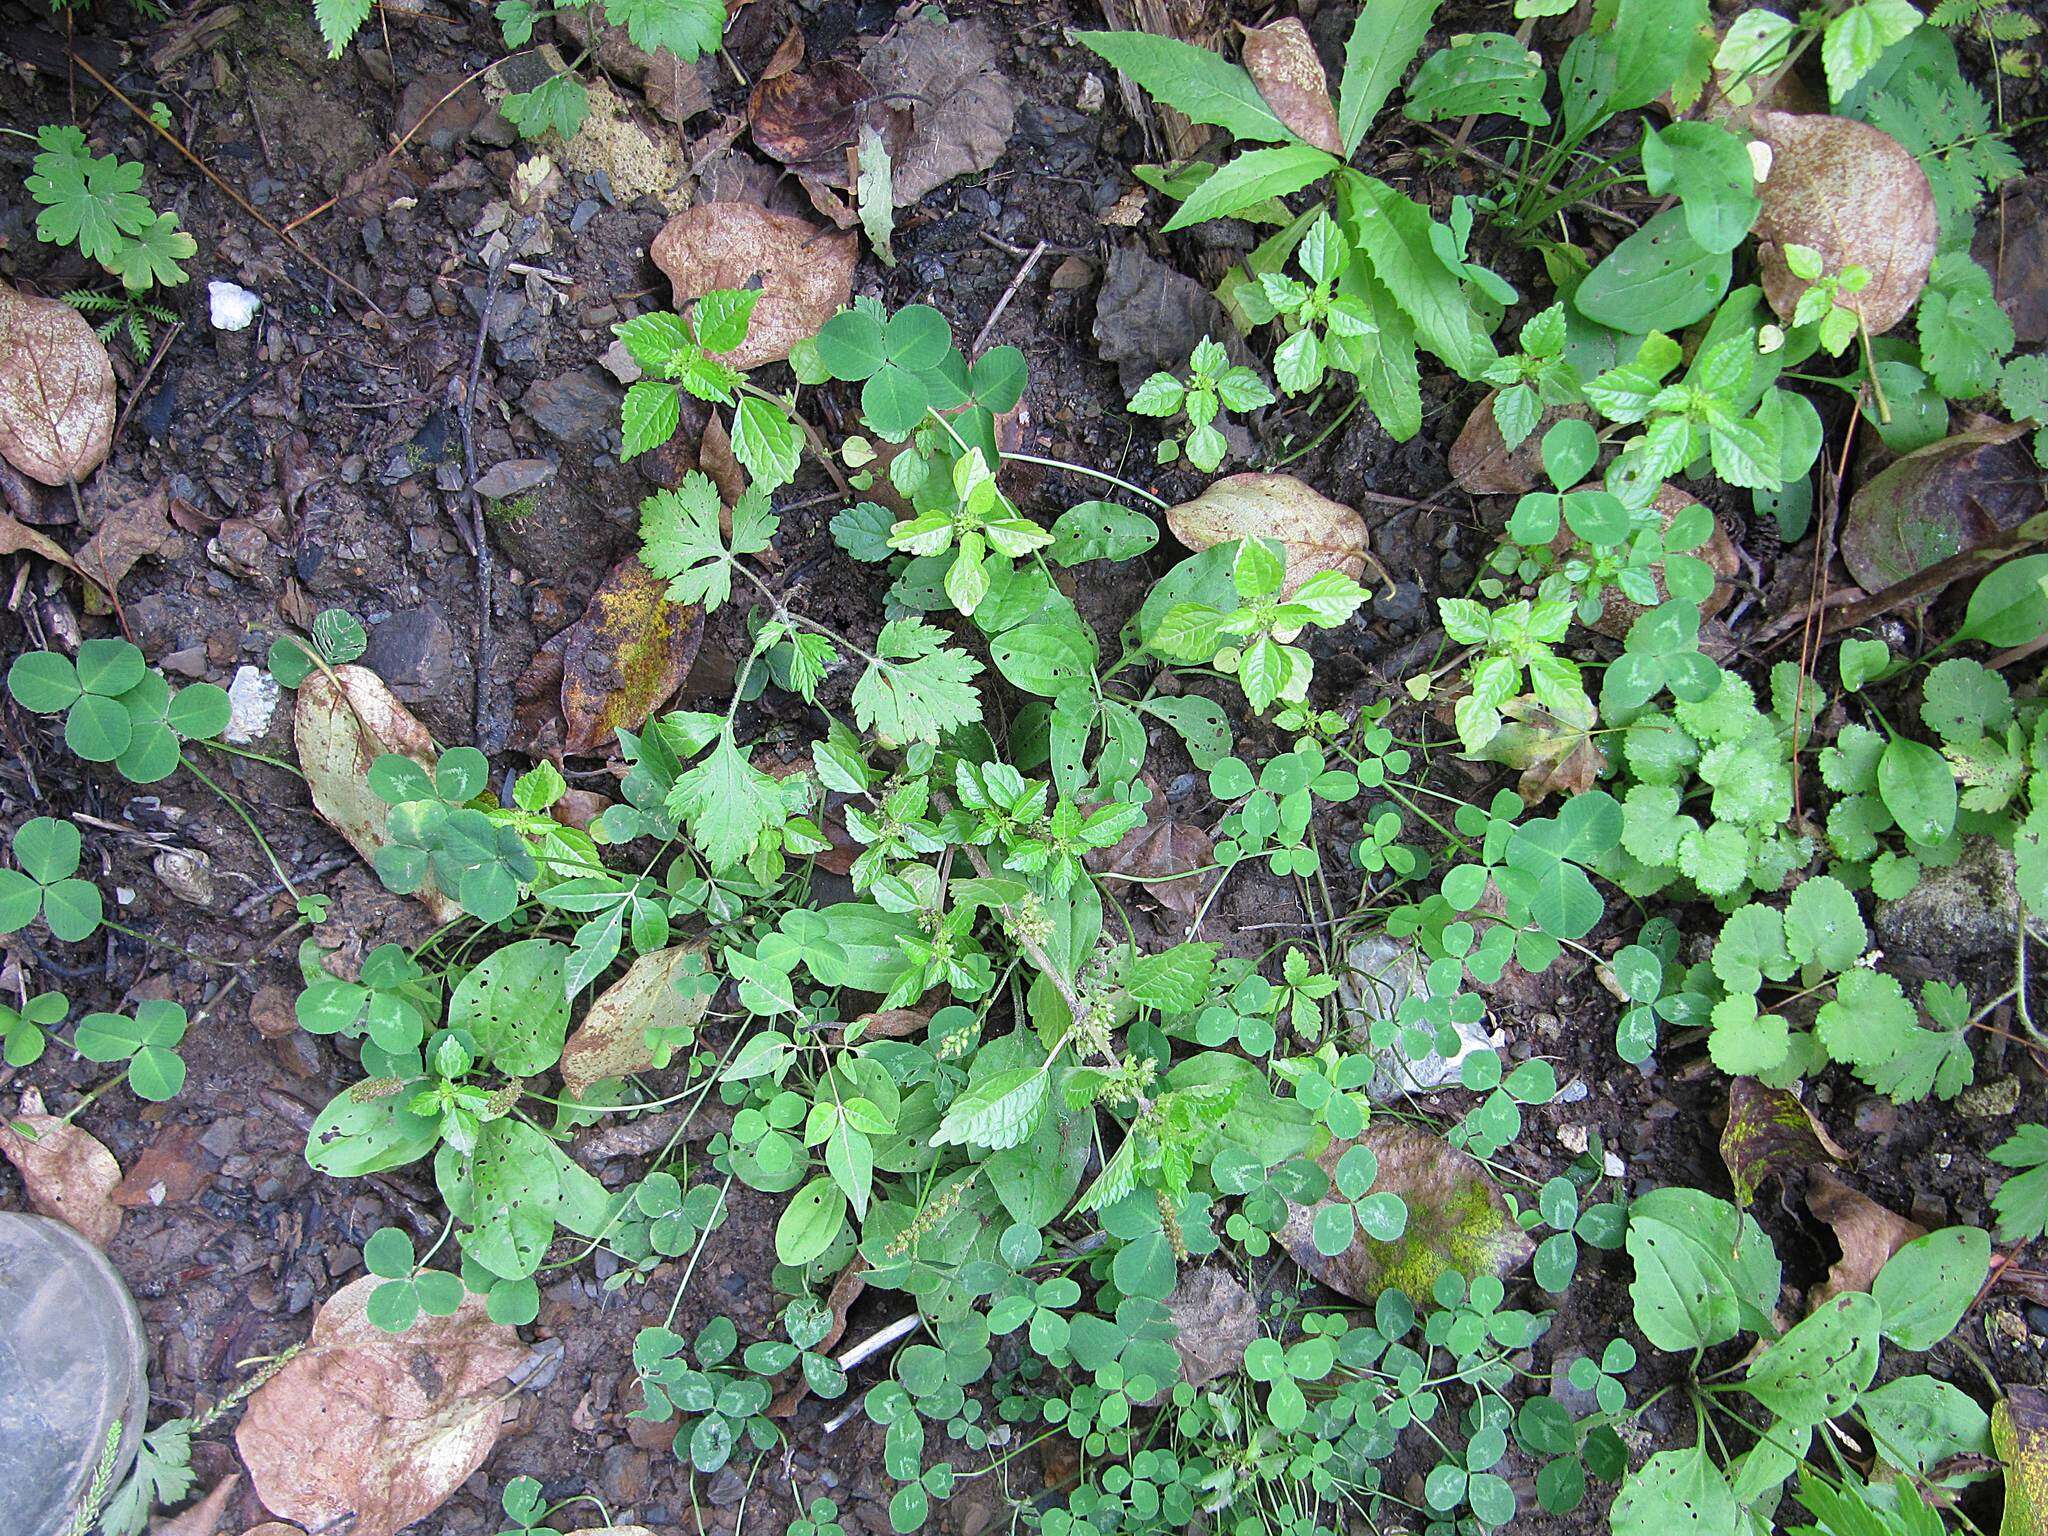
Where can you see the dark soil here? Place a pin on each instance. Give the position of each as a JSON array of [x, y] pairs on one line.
[[317, 460]]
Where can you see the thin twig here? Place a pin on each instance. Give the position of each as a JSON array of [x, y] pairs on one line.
[[478, 534], [1009, 293], [141, 385]]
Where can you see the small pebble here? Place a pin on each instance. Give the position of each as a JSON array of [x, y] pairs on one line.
[[231, 306]]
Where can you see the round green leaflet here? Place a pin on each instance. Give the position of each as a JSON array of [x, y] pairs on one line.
[[852, 345], [109, 668], [388, 1253], [918, 337], [43, 682], [199, 712]]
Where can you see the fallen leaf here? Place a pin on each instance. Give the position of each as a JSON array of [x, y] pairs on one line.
[[1937, 502], [139, 526], [2019, 1432], [676, 90], [1215, 1321], [808, 117], [272, 1011], [962, 109], [715, 458], [624, 658], [1554, 755], [367, 1431], [1319, 534], [805, 274], [17, 538], [1283, 65], [339, 732], [1856, 195], [2012, 245], [1161, 849], [171, 1169], [203, 1518], [1481, 461], [578, 808], [1866, 1232], [612, 1039], [1770, 1131], [1149, 316], [56, 390], [1458, 1220], [788, 54], [893, 1023], [273, 1528], [66, 1172]]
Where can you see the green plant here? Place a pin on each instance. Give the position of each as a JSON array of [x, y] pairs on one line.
[[47, 884], [1214, 388], [126, 315], [91, 201]]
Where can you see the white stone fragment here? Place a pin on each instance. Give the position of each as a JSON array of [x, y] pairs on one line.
[[252, 700], [230, 305]]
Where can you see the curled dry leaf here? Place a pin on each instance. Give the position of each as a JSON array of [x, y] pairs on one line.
[[203, 1518], [1156, 852], [1867, 1233], [1149, 316], [1939, 501], [1215, 1320], [894, 1023], [367, 1431], [1319, 534], [1554, 754], [962, 109], [339, 732], [846, 1290], [612, 1039], [67, 1173], [806, 118], [1283, 65], [1457, 1219], [624, 658], [1856, 195], [805, 274], [56, 390], [273, 1528], [1768, 1132]]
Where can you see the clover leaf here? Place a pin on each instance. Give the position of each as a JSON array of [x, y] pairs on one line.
[[147, 1042], [45, 885]]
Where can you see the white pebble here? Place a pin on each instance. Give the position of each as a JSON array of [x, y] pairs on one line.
[[231, 305]]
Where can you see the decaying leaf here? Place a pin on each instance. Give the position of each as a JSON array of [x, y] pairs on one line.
[[1939, 501], [1555, 754], [962, 109], [139, 526], [807, 117], [2012, 246], [1481, 461], [1457, 1219], [339, 732], [1215, 1320], [612, 1039], [624, 658], [56, 390], [17, 538], [203, 1518], [367, 1431], [273, 1528], [1319, 534], [173, 1168], [1283, 65], [1149, 317], [2019, 1433], [67, 1173], [1856, 195], [1156, 853], [1768, 1132], [1866, 1232], [805, 273], [893, 1023]]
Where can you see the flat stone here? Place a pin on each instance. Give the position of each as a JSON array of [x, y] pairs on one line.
[[1381, 975], [577, 407], [252, 702], [514, 477]]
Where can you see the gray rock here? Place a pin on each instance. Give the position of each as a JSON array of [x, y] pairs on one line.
[[418, 654], [577, 407], [1380, 976], [1965, 911], [514, 477]]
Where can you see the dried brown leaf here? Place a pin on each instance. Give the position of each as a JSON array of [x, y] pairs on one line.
[[807, 118], [171, 1169], [1215, 1321], [1481, 461], [612, 1039], [1867, 1233], [805, 274], [1319, 534], [339, 732], [1283, 65], [893, 1023], [18, 538], [624, 658], [1770, 1131], [56, 390], [1856, 195], [139, 526], [1457, 1219], [67, 1173], [203, 1518], [1149, 316], [962, 109], [1157, 852], [1554, 755], [367, 1431]]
